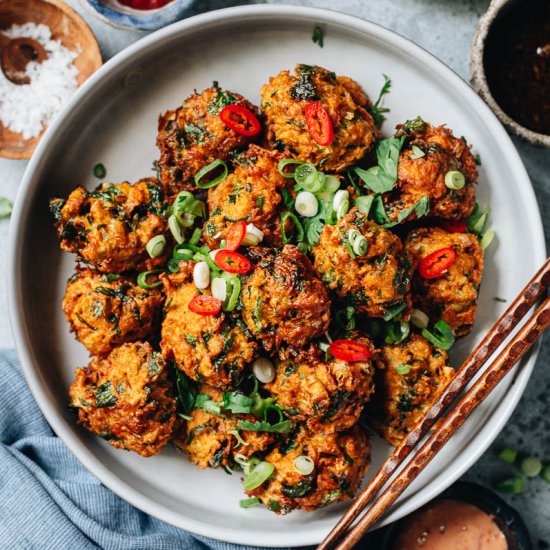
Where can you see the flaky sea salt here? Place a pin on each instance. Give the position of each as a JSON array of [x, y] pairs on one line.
[[27, 108]]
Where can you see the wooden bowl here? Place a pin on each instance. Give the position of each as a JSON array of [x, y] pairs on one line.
[[67, 27]]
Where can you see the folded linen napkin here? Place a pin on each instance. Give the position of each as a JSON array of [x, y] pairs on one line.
[[48, 500]]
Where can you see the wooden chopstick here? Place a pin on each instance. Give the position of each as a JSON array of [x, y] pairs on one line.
[[512, 353], [532, 292]]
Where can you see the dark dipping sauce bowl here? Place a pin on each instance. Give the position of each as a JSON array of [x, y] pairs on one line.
[[505, 517], [511, 65]]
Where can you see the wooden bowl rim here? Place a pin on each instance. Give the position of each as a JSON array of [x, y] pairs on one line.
[[96, 60]]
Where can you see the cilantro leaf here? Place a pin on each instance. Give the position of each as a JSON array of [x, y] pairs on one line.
[[318, 36], [377, 110], [264, 426], [237, 402], [421, 208]]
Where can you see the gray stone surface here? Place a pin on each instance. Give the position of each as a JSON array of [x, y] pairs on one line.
[[445, 29]]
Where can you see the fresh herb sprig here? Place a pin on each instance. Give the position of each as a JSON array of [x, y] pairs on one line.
[[377, 110]]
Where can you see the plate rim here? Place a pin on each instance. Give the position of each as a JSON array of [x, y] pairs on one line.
[[30, 183]]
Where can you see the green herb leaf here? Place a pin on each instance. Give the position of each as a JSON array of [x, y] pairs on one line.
[[318, 36], [249, 502], [264, 426], [104, 396], [402, 369], [421, 208], [377, 110], [186, 391], [6, 207], [417, 153]]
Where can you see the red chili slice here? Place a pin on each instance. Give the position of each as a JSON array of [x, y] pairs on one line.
[[348, 350], [235, 236], [437, 263], [319, 123], [205, 305], [453, 226], [240, 119], [232, 262]]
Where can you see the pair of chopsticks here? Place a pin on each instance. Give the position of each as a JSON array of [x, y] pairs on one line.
[[342, 539]]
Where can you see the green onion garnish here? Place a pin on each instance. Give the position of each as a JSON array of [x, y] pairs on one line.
[[402, 369], [100, 170], [499, 299], [212, 167], [350, 251], [232, 293], [196, 237], [286, 162], [419, 319], [155, 247], [317, 36], [142, 279], [512, 486], [182, 252], [306, 176], [331, 184], [531, 466], [487, 239], [5, 208], [454, 179], [175, 229], [249, 502], [186, 207], [397, 331], [508, 455], [297, 225], [441, 335], [257, 475]]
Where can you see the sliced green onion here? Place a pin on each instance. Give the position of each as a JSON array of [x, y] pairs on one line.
[[402, 369], [233, 291], [182, 252], [297, 225], [397, 331], [441, 335], [212, 167], [155, 247], [201, 275], [249, 502], [247, 464], [360, 246], [253, 236], [260, 473], [394, 311], [331, 184], [175, 229], [173, 265], [512, 486], [263, 370], [545, 474], [184, 203], [479, 224], [508, 455], [340, 203], [323, 346], [454, 179], [5, 207], [419, 319], [142, 279], [99, 170], [219, 288], [196, 237], [487, 239], [286, 162], [350, 251], [531, 466], [305, 174], [304, 465]]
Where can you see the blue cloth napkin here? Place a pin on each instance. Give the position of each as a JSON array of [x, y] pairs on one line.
[[49, 501]]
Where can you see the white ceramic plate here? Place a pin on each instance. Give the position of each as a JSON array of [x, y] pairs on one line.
[[111, 123]]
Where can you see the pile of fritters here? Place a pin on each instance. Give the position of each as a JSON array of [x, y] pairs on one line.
[[292, 303]]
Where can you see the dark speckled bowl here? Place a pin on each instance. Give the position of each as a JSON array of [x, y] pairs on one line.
[[507, 519], [479, 80]]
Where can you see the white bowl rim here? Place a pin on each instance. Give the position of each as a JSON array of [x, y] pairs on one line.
[[20, 214]]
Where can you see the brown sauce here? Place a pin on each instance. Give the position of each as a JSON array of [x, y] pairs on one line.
[[517, 63], [450, 525]]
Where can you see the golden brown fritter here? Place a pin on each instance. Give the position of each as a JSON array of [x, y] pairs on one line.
[[400, 400], [212, 349], [193, 135], [252, 193], [283, 300], [284, 100], [110, 227], [126, 398], [373, 283], [327, 395], [452, 296], [106, 311], [211, 441], [425, 176], [341, 460]]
